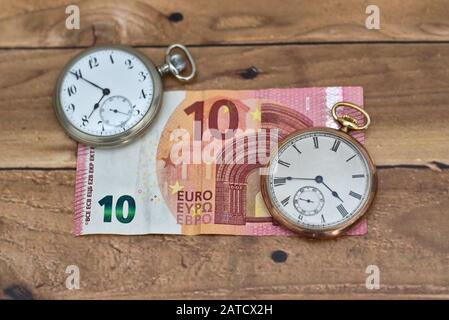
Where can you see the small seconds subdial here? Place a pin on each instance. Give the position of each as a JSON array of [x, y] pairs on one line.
[[308, 201], [116, 111]]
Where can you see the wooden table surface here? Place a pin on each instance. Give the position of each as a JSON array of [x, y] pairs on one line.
[[251, 44]]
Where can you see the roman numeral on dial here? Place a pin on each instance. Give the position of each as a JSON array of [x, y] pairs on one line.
[[285, 164], [285, 201], [355, 195], [358, 176], [296, 148], [342, 210], [315, 142], [335, 145], [279, 181]]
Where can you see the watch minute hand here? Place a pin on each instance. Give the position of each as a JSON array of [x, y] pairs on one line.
[[296, 178], [90, 82]]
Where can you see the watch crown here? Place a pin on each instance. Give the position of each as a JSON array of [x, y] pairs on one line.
[[350, 119], [178, 62], [347, 122]]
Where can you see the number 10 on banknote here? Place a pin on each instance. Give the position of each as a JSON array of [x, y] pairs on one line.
[[197, 169]]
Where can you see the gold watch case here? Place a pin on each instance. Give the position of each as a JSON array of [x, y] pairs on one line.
[[339, 229]]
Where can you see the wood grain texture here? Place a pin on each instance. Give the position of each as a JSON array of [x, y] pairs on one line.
[[405, 92], [407, 240], [30, 23]]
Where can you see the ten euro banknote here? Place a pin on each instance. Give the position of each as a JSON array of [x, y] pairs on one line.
[[196, 170]]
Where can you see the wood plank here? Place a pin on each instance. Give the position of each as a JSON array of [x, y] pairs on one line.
[[407, 240], [27, 23], [405, 88]]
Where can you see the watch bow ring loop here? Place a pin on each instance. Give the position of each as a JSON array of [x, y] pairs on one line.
[[348, 122], [175, 63]]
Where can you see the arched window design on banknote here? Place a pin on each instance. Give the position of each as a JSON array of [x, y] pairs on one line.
[[201, 191], [237, 184]]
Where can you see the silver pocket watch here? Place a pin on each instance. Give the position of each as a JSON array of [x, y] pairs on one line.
[[108, 95]]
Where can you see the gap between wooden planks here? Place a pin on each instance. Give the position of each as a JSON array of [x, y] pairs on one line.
[[407, 240], [27, 23], [405, 87]]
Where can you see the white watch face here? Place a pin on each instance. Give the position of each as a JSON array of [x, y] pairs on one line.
[[106, 92], [319, 180]]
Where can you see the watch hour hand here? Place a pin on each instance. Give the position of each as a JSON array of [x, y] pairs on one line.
[[335, 194], [319, 179], [97, 105], [93, 110]]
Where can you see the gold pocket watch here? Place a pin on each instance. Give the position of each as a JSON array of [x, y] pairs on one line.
[[108, 95], [321, 181]]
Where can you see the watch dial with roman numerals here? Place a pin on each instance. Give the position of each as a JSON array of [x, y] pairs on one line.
[[319, 180], [106, 92]]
